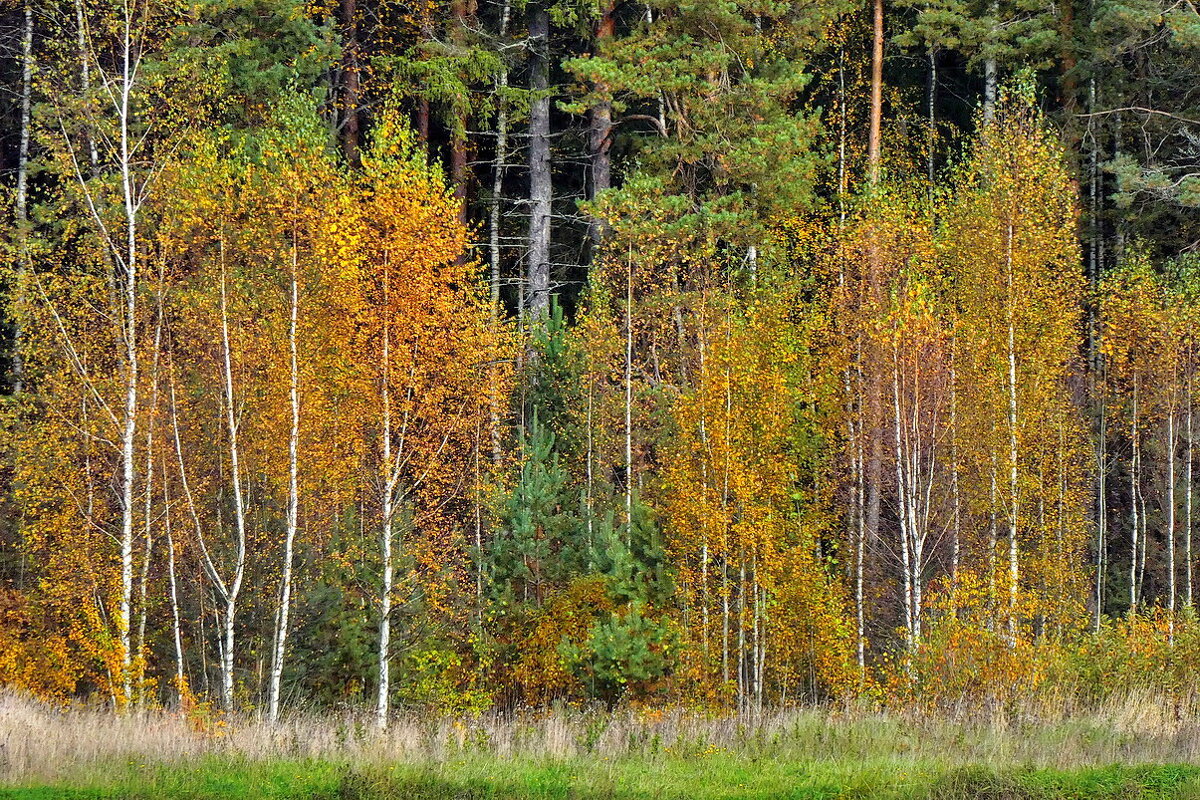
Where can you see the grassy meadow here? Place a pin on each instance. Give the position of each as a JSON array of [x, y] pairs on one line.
[[1139, 747]]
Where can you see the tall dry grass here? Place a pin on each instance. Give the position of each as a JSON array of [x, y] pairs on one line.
[[41, 742]]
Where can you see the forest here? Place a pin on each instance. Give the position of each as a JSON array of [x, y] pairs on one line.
[[464, 355]]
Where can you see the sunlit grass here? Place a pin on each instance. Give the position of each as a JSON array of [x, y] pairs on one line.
[[721, 777]]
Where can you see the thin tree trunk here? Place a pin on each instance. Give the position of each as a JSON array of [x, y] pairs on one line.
[[741, 632], [1101, 516], [148, 503], [860, 524], [875, 419], [85, 76], [239, 504], [990, 72], [726, 521], [130, 204], [956, 497], [1187, 542], [629, 395], [22, 199], [494, 225], [993, 525], [500, 166], [1133, 507], [293, 509], [600, 128], [931, 104], [706, 600], [903, 499], [857, 511], [841, 161], [1013, 566], [387, 522], [460, 169], [350, 81], [177, 634], [876, 120], [540, 184], [1170, 500]]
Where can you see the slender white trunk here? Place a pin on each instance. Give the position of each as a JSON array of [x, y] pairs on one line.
[[85, 75], [1170, 500], [1101, 517], [726, 519], [139, 648], [239, 507], [705, 454], [903, 498], [22, 199], [741, 631], [387, 520], [757, 676], [26, 114], [591, 452], [1187, 542], [629, 392], [129, 334], [1143, 536], [931, 107], [148, 502], [174, 589], [841, 160], [956, 498], [1013, 565], [993, 526], [293, 508], [859, 523], [1133, 507]]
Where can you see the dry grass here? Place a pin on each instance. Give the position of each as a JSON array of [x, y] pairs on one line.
[[40, 742]]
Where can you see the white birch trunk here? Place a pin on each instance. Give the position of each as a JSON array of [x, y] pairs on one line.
[[239, 507], [903, 498], [293, 509], [1133, 507], [1170, 501], [129, 433], [386, 523], [173, 587], [1187, 542], [629, 393], [22, 199], [1013, 564]]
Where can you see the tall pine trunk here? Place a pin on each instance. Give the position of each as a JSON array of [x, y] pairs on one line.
[[540, 183], [601, 126], [876, 114]]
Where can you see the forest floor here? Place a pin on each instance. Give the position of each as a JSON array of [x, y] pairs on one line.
[[1140, 748]]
